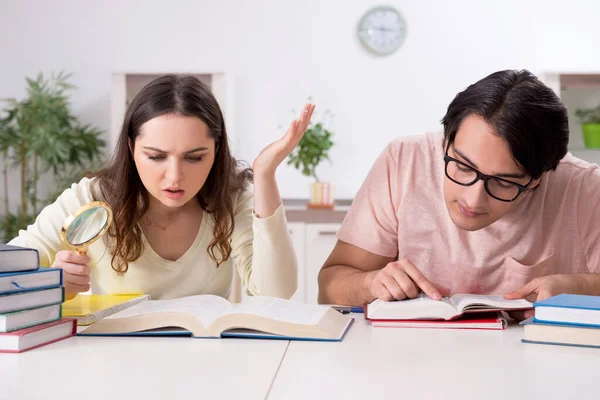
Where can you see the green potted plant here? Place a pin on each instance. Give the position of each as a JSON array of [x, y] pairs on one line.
[[590, 126], [312, 149], [39, 135]]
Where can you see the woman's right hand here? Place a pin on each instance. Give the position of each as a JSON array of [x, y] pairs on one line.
[[76, 272]]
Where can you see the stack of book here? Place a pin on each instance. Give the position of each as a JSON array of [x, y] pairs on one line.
[[30, 302], [566, 319]]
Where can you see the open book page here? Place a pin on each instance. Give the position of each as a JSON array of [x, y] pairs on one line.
[[280, 310], [421, 307], [205, 308], [263, 317], [468, 302]]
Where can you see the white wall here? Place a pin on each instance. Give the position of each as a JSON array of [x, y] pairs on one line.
[[279, 52]]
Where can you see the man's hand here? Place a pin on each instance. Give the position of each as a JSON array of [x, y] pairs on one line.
[[544, 287], [400, 280]]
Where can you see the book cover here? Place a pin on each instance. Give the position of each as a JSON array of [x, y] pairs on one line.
[[16, 258], [37, 336], [30, 299], [571, 301], [168, 331], [23, 319], [569, 309], [560, 334], [43, 278], [239, 333], [484, 321]]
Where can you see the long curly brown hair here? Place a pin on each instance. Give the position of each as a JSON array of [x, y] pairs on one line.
[[120, 184]]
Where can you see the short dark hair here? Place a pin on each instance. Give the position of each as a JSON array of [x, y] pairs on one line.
[[523, 111]]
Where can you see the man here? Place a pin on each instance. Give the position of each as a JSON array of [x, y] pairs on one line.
[[493, 206]]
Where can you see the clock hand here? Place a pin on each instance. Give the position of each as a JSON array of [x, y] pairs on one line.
[[380, 29]]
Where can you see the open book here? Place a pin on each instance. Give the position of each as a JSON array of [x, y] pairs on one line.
[[214, 316], [424, 307]]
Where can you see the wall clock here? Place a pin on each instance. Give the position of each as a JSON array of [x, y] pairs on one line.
[[382, 30]]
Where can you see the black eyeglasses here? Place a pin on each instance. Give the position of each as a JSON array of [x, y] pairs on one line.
[[465, 175]]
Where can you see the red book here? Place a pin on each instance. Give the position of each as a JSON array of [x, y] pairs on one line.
[[484, 320], [36, 336]]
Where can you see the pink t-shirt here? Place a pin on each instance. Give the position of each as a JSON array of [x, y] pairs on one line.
[[400, 212]]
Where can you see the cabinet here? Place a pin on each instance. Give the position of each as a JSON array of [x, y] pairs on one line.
[[313, 243]]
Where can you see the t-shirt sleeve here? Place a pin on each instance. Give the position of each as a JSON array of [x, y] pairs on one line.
[[371, 222], [588, 218], [44, 233]]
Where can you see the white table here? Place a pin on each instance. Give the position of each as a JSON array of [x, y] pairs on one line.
[[370, 363], [377, 363], [142, 368]]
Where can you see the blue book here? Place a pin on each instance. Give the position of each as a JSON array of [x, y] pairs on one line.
[[210, 316], [573, 309], [169, 331], [43, 278], [560, 334], [26, 318], [16, 258], [29, 299]]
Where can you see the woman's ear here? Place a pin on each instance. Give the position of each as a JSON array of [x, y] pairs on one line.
[[130, 144]]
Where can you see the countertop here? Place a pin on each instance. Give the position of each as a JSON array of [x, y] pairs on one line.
[[296, 210]]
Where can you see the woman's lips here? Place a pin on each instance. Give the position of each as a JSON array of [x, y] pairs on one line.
[[174, 194]]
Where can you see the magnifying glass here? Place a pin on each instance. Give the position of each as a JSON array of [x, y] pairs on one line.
[[86, 225]]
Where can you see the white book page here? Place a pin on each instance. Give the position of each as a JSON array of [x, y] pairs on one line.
[[421, 300], [421, 307], [206, 308], [281, 310], [474, 301]]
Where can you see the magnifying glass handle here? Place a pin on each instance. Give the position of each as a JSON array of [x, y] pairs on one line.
[[82, 252]]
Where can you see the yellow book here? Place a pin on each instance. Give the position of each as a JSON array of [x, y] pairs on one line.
[[89, 308]]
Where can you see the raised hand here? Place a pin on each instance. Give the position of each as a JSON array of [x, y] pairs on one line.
[[271, 156]]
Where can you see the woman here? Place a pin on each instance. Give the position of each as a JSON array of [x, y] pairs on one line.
[[181, 206]]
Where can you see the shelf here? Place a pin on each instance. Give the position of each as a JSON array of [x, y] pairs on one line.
[[579, 80], [572, 80]]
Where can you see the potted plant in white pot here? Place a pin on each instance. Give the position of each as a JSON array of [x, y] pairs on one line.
[[590, 126], [312, 149]]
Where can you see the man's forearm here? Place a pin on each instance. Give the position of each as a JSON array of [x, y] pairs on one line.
[[340, 284], [591, 284]]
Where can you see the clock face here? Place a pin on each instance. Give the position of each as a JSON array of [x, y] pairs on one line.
[[382, 30]]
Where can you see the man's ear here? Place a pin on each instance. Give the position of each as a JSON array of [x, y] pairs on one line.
[[536, 182]]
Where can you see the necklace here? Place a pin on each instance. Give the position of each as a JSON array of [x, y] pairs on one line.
[[162, 227]]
